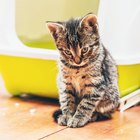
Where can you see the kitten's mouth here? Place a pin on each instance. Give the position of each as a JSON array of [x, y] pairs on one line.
[[74, 65], [81, 65]]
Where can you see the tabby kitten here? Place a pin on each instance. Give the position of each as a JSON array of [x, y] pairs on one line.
[[87, 80]]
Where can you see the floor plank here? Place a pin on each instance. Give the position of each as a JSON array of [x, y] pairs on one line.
[[123, 126], [30, 118], [26, 118]]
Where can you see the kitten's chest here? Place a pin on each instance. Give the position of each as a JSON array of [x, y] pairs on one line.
[[78, 79], [77, 83]]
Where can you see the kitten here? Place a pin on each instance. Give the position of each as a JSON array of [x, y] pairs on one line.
[[87, 80]]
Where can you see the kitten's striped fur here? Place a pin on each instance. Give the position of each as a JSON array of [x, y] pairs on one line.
[[87, 80]]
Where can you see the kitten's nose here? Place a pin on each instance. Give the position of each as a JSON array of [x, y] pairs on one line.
[[77, 60]]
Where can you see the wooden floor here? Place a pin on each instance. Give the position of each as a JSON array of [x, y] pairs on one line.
[[30, 118]]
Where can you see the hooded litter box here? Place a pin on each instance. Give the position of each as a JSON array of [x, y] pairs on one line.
[[33, 70]]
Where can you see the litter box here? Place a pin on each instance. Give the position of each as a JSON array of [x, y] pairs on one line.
[[34, 70]]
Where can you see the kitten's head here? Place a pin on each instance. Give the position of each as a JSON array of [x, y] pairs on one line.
[[77, 40]]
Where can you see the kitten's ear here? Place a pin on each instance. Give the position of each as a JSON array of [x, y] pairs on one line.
[[55, 28], [89, 23]]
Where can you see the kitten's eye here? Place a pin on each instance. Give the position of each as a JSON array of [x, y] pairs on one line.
[[67, 52], [84, 50]]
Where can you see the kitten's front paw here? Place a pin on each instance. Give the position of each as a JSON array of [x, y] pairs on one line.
[[76, 122], [63, 119]]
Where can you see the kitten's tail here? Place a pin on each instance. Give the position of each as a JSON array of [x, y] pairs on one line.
[[56, 114]]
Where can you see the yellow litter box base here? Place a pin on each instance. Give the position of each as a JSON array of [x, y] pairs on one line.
[[129, 78], [26, 75], [38, 77]]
